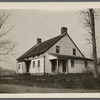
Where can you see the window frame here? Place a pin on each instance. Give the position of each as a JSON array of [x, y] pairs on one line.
[[57, 49], [33, 64], [74, 51], [72, 63], [18, 66], [38, 63], [22, 65], [86, 63]]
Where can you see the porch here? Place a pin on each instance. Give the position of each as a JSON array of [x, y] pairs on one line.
[[25, 66], [59, 66]]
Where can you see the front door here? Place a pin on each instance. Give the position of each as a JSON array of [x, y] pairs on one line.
[[53, 62], [64, 66]]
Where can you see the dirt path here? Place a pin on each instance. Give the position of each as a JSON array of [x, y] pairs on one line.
[[27, 89]]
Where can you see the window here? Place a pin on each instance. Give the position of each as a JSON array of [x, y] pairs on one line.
[[74, 51], [33, 64], [86, 64], [57, 49], [22, 65], [72, 63], [38, 63], [19, 66]]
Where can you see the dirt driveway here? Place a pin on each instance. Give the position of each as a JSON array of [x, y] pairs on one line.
[[28, 89]]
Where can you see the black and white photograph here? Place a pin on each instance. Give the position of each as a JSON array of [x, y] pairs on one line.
[[49, 48]]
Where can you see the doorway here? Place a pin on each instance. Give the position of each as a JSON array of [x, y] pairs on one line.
[[27, 65], [53, 63]]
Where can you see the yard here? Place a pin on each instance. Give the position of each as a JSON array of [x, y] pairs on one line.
[[49, 83]]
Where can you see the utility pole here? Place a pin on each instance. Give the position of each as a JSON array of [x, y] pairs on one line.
[[92, 23]]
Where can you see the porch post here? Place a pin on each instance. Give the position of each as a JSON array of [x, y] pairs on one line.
[[57, 70]]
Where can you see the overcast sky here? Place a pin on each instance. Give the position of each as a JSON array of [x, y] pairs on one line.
[[30, 24]]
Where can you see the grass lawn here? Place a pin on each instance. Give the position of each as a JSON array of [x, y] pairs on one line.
[[29, 89], [69, 81]]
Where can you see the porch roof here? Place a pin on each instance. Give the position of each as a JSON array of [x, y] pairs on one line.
[[60, 56]]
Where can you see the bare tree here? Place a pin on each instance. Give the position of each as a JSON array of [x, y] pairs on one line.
[[6, 45], [89, 23]]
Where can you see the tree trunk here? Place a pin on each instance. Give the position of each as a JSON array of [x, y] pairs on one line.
[[96, 73]]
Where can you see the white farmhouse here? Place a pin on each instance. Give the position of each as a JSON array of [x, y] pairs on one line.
[[53, 56]]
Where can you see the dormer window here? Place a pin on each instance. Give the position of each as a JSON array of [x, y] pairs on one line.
[[74, 51], [57, 49]]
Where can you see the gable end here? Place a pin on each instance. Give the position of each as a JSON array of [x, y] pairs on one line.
[[75, 45]]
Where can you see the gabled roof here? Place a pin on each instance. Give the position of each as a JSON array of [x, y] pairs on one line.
[[41, 48], [44, 46]]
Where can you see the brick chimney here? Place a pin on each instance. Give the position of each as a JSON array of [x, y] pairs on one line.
[[39, 40], [63, 30]]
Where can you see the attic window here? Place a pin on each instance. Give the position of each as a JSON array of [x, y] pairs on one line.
[[57, 49], [74, 51]]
